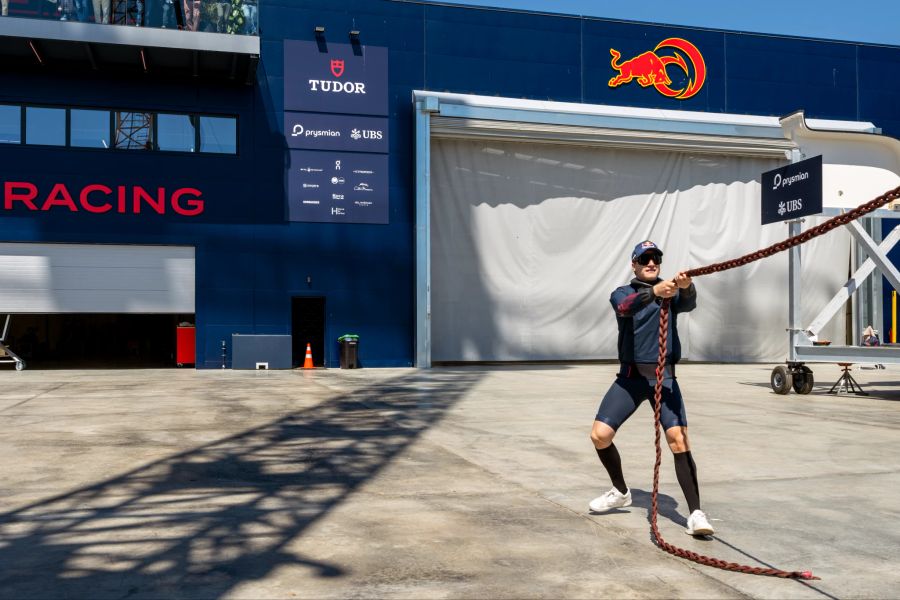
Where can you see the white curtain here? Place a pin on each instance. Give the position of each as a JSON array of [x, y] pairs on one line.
[[529, 240]]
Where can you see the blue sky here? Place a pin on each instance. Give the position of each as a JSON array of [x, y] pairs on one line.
[[874, 21]]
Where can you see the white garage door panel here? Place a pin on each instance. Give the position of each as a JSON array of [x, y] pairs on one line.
[[529, 240], [84, 278]]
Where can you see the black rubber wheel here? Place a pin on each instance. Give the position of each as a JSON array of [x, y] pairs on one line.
[[781, 380], [803, 381]]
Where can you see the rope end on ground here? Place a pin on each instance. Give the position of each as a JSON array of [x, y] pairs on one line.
[[807, 575]]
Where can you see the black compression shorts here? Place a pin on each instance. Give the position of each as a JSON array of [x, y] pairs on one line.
[[630, 389]]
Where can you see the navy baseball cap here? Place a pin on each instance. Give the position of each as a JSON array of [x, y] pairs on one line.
[[643, 247]]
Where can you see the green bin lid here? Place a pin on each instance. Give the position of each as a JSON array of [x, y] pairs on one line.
[[349, 337]]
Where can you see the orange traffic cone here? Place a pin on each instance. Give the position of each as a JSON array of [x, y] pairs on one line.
[[308, 364]]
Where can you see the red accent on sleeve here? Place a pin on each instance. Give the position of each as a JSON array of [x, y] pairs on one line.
[[625, 305]]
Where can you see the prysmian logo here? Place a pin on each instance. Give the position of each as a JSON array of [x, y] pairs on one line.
[[335, 86], [788, 181], [299, 131]]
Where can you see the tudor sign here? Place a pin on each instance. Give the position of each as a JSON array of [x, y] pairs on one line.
[[343, 79]]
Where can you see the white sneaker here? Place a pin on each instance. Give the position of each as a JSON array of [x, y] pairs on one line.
[[698, 524], [611, 499]]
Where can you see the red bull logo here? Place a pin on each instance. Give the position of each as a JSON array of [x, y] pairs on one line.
[[650, 68]]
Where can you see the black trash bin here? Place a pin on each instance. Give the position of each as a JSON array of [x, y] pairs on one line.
[[349, 351]]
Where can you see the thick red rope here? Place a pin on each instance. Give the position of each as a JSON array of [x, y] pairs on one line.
[[661, 363]]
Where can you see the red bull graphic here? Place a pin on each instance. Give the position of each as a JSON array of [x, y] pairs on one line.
[[649, 68]]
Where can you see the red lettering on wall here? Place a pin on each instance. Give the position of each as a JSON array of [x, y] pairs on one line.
[[193, 199], [121, 189], [94, 208], [97, 198], [59, 196], [10, 195], [158, 204]]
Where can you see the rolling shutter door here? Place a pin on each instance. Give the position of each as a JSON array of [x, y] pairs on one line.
[[89, 278]]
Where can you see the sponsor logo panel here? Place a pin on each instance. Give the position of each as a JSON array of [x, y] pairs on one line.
[[336, 129], [338, 187], [314, 131], [791, 191]]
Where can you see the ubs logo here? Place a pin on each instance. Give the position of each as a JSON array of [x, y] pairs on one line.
[[790, 206], [366, 134]]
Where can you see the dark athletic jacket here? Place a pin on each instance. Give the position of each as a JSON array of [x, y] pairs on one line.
[[637, 313]]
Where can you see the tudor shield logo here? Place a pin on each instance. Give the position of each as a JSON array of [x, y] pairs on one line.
[[650, 68], [334, 85]]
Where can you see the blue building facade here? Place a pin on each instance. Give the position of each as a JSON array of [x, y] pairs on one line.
[[251, 260]]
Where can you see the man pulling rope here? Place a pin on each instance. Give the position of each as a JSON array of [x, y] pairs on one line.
[[637, 306], [679, 295]]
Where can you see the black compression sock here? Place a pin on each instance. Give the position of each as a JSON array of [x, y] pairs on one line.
[[609, 456], [686, 471]]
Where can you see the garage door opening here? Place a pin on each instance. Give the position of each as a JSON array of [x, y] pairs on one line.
[[95, 341]]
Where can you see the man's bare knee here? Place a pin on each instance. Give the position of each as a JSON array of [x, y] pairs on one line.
[[602, 435], [678, 439]]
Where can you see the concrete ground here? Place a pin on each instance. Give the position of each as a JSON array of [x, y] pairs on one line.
[[449, 483]]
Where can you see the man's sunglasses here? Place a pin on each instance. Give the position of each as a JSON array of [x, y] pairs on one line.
[[645, 258]]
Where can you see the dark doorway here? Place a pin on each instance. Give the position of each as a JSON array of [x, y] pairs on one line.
[[103, 341], [308, 327]]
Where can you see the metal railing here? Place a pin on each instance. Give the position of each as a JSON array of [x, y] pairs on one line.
[[238, 17]]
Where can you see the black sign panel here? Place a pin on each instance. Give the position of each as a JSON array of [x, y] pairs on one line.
[[315, 131], [792, 191], [338, 187], [335, 78]]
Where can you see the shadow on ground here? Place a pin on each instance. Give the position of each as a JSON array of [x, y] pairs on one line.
[[667, 505], [201, 522], [875, 390]]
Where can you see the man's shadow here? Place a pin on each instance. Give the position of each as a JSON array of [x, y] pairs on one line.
[[667, 505], [666, 508]]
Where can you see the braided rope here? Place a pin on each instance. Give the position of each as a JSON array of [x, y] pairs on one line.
[[671, 549], [661, 362]]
